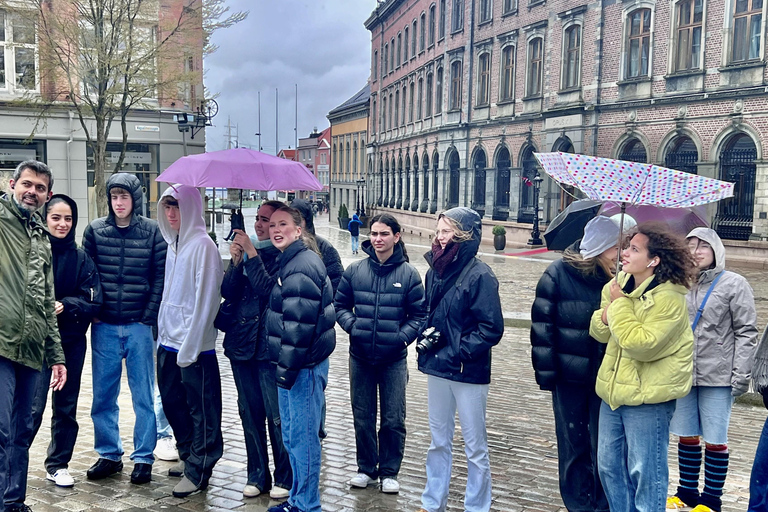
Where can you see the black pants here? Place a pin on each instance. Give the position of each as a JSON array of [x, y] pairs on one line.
[[260, 412], [577, 409], [64, 427], [192, 403]]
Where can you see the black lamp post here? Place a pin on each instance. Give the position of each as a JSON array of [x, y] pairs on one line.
[[360, 197], [536, 234]]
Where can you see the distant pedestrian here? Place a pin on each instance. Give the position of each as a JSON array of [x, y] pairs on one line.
[[721, 308], [647, 366], [758, 482], [464, 307], [29, 337], [566, 358], [300, 334], [129, 252], [247, 284], [380, 303], [78, 299], [354, 230], [187, 367]]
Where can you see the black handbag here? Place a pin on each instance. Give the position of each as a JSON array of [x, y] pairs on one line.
[[226, 318]]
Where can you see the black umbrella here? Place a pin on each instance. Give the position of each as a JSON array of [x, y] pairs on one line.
[[569, 224]]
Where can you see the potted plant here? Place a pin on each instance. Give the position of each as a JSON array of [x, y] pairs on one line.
[[499, 237], [343, 216]]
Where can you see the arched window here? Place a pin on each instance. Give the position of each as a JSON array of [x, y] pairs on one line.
[[737, 165], [571, 57], [430, 92], [507, 73], [484, 79], [405, 45], [453, 179], [682, 155], [399, 49], [439, 91], [478, 165], [431, 39], [503, 165], [634, 151], [399, 203], [413, 38], [415, 203], [397, 109], [385, 61], [375, 64], [456, 77], [392, 55], [535, 63], [457, 15], [441, 24]]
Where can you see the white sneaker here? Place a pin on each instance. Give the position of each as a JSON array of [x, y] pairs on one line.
[[279, 493], [390, 486], [361, 481], [166, 449], [61, 478], [251, 491]]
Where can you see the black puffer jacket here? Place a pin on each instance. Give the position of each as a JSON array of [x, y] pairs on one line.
[[130, 261], [381, 306], [250, 290], [468, 316], [563, 352], [330, 255], [300, 315]]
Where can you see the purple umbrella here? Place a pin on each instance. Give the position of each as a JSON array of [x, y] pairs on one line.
[[240, 168], [680, 220]]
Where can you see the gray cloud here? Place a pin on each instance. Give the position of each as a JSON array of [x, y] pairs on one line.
[[321, 46]]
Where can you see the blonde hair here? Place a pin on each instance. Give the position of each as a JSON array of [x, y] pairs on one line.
[[587, 266], [459, 235]]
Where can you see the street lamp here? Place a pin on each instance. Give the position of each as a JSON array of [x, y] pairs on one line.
[[360, 197], [536, 234]]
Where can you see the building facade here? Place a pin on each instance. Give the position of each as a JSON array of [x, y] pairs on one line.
[[349, 140], [463, 92], [314, 153], [154, 138]]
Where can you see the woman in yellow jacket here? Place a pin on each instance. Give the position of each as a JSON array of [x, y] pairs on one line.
[[647, 366]]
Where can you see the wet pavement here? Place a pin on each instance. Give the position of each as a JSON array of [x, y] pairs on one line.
[[520, 427]]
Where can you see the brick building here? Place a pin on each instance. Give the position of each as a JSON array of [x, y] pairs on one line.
[[314, 153], [464, 91]]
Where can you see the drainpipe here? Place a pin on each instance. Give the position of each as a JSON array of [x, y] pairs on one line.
[[469, 96], [596, 126]]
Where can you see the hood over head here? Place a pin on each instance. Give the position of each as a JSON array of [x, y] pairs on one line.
[[600, 234], [355, 217], [191, 211], [305, 208], [711, 237], [469, 220], [130, 183], [69, 240]]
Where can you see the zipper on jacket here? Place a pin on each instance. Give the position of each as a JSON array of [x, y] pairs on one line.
[[122, 282], [376, 317]]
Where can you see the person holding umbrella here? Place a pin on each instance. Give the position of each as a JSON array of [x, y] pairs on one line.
[[647, 366], [300, 337], [566, 358], [721, 309]]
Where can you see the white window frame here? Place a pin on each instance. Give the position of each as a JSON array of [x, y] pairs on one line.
[[629, 9], [12, 84], [570, 24]]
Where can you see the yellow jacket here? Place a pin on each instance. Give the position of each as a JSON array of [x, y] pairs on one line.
[[649, 357]]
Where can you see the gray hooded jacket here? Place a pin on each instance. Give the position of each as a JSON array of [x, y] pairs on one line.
[[726, 335]]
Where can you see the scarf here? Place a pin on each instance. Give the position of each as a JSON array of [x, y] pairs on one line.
[[64, 251], [441, 258]]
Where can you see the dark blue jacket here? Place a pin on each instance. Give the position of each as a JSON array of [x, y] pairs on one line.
[[562, 351], [468, 316], [249, 285], [300, 317], [381, 306], [353, 226], [328, 252]]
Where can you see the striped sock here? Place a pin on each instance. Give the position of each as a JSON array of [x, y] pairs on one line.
[[715, 469], [689, 460]]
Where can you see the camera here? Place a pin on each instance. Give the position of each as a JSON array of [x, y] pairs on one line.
[[428, 340]]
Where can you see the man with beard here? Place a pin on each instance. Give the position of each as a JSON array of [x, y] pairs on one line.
[[28, 330]]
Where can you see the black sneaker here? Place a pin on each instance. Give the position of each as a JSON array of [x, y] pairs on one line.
[[142, 473], [283, 507], [104, 468]]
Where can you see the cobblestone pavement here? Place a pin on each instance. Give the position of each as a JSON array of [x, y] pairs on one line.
[[520, 431]]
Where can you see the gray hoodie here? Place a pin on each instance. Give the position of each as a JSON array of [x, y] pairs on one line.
[[726, 335]]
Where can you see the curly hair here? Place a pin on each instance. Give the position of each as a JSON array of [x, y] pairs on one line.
[[676, 263]]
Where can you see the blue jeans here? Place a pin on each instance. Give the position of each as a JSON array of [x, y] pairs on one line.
[[18, 385], [110, 344], [300, 410], [378, 458], [355, 243], [758, 482], [445, 397], [632, 455]]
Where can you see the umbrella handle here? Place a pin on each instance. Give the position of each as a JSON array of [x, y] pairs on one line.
[[618, 245]]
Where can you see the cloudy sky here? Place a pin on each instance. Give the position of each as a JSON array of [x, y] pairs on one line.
[[320, 45]]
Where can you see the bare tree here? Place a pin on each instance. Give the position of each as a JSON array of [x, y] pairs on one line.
[[104, 58]]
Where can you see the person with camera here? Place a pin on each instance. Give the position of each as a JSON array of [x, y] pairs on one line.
[[380, 303], [465, 308], [566, 358]]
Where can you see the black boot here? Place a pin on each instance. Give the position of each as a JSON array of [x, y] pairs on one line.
[[142, 473], [104, 468]]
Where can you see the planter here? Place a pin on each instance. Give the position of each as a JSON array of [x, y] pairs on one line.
[[343, 222], [499, 242]]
